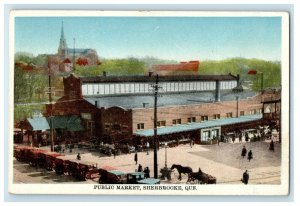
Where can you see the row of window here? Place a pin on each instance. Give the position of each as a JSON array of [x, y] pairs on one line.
[[141, 126], [125, 88]]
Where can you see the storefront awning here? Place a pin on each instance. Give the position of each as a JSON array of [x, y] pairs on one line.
[[38, 123], [200, 125], [69, 123]]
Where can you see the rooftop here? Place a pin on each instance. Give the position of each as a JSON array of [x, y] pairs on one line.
[[198, 125], [184, 98], [143, 78]]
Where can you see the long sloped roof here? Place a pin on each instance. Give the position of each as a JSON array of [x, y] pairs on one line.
[[70, 123], [200, 125], [183, 98], [112, 79]]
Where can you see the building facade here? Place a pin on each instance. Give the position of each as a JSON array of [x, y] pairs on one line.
[[128, 117]]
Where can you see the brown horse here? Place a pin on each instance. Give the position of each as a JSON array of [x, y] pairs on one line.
[[181, 169]]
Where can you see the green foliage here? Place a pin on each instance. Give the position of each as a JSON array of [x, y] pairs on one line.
[[271, 70], [22, 112], [116, 67]]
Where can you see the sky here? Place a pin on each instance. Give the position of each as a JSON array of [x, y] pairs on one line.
[[171, 38]]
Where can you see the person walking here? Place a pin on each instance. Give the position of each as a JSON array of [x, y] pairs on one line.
[[240, 137], [140, 168], [272, 146], [246, 137], [244, 152], [245, 178], [147, 172], [136, 158], [78, 156], [250, 155]]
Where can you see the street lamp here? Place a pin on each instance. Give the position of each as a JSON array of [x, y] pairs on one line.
[[166, 145], [254, 72], [147, 145]]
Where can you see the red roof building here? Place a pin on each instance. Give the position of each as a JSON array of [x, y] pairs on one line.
[[183, 68]]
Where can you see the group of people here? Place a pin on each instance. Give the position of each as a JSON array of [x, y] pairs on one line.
[[245, 178], [146, 170], [244, 152]]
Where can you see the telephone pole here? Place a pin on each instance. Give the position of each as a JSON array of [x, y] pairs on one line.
[[50, 102], [155, 126]]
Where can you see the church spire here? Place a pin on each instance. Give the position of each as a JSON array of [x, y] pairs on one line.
[[62, 35], [63, 48]]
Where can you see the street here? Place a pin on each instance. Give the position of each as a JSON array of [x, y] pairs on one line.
[[222, 161]]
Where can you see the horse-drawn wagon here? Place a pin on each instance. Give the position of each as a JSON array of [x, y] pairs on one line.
[[79, 169], [201, 178]]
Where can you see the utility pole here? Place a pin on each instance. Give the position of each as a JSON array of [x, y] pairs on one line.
[[50, 102], [155, 126]]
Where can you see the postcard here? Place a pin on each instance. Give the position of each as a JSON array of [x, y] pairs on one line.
[[149, 102]]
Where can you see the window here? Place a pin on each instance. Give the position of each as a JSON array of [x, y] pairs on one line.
[[161, 123], [253, 111], [242, 113], [204, 118], [214, 133], [216, 116], [191, 119], [140, 126], [229, 114], [176, 121], [205, 136]]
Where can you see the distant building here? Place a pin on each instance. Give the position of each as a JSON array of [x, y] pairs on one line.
[[183, 68], [65, 58]]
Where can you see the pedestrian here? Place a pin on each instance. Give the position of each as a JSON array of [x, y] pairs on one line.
[[191, 143], [78, 156], [246, 137], [272, 146], [240, 137], [233, 139], [114, 154], [250, 155], [140, 168], [218, 140], [147, 172], [136, 158], [244, 152], [245, 177]]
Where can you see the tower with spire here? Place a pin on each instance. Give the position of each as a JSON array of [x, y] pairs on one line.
[[63, 48]]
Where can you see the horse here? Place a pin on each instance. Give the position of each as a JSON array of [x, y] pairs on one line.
[[181, 169]]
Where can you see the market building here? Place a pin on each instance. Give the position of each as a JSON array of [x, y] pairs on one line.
[[120, 109]]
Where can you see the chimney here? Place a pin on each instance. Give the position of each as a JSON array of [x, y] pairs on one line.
[[145, 104], [104, 73], [96, 103]]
